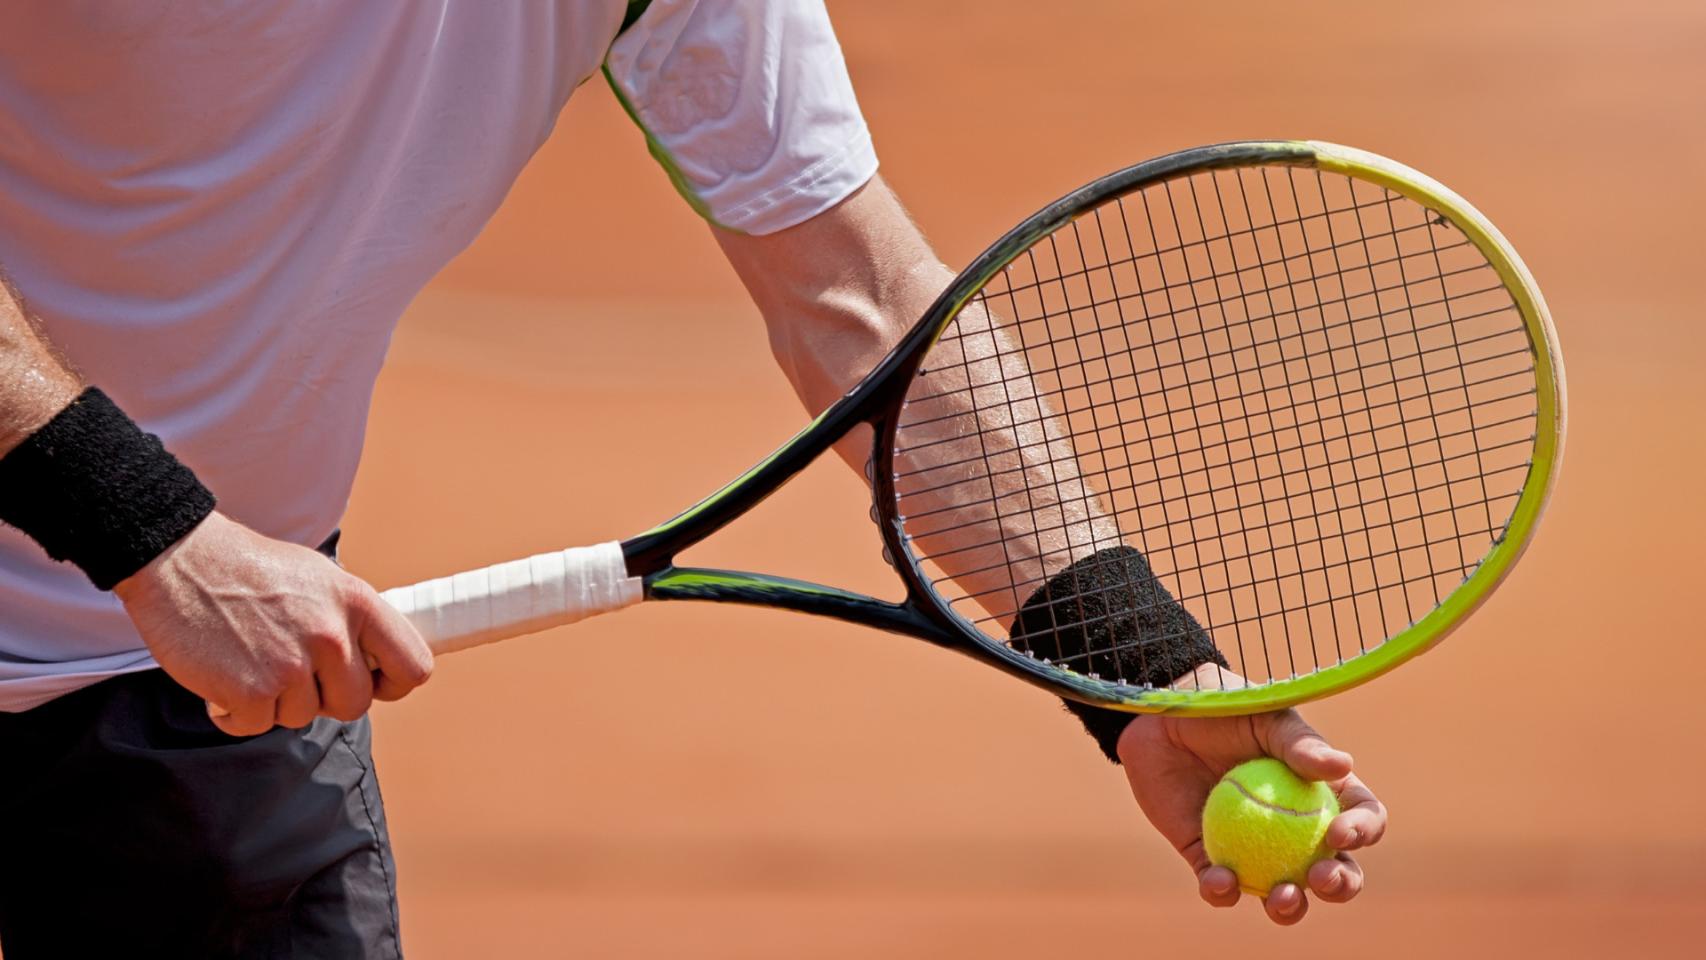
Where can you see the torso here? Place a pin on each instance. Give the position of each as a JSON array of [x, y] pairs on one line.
[[218, 210]]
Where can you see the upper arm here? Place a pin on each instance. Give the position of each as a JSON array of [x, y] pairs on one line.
[[748, 107], [864, 248], [838, 291]]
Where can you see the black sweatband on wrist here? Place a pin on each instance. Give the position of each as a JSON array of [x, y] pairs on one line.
[[1110, 602], [92, 488]]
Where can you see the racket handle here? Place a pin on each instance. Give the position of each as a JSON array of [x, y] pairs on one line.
[[522, 596]]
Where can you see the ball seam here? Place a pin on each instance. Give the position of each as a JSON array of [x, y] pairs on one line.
[[1258, 801]]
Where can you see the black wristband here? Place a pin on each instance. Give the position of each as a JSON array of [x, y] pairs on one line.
[[92, 488], [1111, 602]]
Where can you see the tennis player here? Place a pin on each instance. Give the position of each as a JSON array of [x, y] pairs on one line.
[[211, 217]]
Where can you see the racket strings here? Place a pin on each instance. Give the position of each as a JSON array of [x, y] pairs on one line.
[[1182, 365], [961, 503], [1248, 232], [1162, 543], [1528, 391], [1292, 403]]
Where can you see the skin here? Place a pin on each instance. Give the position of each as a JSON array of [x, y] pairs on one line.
[[34, 384], [274, 633], [837, 292]]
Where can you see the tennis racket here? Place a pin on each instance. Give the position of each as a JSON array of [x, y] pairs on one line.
[[1292, 398]]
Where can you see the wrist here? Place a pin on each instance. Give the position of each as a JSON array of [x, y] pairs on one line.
[[1112, 603], [93, 489], [154, 575]]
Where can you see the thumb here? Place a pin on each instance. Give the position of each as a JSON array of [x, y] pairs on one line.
[[395, 651], [1286, 736]]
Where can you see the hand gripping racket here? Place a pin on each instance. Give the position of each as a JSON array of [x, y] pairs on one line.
[[1288, 397]]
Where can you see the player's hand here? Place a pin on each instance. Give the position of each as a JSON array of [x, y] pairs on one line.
[[1173, 763], [270, 632]]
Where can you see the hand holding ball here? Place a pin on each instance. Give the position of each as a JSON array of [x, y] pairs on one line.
[[1267, 825]]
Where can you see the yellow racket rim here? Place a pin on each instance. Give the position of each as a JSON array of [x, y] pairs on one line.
[[1542, 476]]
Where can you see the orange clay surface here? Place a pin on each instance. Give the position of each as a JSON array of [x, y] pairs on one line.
[[690, 781]]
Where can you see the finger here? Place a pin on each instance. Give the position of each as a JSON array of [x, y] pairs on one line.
[[245, 718], [1218, 887], [393, 646], [1363, 821], [298, 705], [1285, 735], [1285, 904], [346, 684], [1336, 879]]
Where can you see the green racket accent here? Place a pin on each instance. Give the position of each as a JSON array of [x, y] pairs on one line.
[[697, 581], [1425, 633], [1536, 490]]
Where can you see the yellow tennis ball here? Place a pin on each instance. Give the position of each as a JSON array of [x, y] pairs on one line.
[[1267, 825]]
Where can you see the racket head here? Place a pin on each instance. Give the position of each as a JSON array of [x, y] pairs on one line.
[[1291, 583]]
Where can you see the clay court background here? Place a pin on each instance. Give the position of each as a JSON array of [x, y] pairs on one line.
[[717, 782]]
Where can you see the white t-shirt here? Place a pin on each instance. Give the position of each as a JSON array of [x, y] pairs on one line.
[[218, 211]]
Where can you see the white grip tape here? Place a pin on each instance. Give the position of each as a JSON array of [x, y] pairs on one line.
[[522, 596]]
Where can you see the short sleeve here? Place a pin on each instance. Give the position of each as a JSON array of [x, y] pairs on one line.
[[747, 105]]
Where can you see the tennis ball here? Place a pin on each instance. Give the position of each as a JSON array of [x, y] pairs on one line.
[[1267, 825]]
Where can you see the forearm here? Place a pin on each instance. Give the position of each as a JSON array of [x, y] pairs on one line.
[[837, 293], [34, 383]]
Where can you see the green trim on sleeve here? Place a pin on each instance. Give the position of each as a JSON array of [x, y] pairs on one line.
[[659, 153]]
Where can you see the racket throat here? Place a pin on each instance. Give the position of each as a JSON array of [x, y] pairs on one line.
[[802, 596]]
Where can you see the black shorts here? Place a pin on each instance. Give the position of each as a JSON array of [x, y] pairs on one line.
[[133, 827]]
